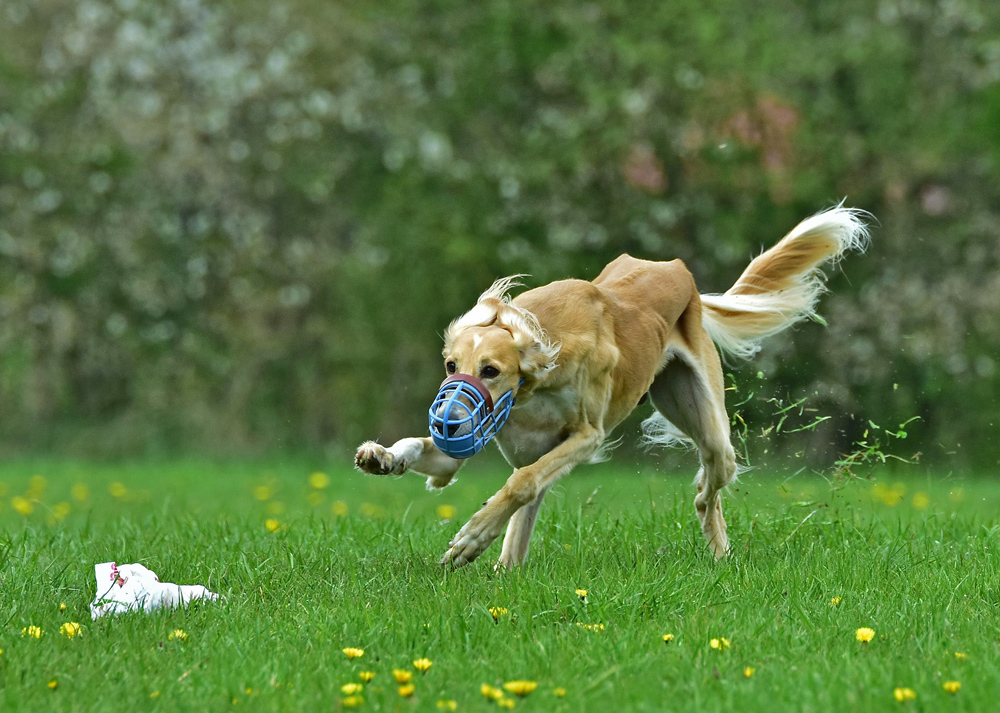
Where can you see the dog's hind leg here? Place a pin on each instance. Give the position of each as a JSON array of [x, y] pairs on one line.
[[689, 392], [519, 529]]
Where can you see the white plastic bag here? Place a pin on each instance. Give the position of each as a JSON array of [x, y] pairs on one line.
[[131, 587]]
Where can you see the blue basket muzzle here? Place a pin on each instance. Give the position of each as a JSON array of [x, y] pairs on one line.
[[463, 418]]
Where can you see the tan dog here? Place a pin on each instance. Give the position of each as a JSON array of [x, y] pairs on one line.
[[589, 351]]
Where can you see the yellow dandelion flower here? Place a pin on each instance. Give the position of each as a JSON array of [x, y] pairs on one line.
[[951, 686], [506, 703], [53, 684], [520, 688], [70, 629], [340, 508], [263, 493], [835, 602], [719, 644], [559, 692], [407, 690], [352, 701], [154, 694], [581, 593], [749, 671], [402, 676], [921, 500], [62, 606], [79, 492], [446, 512], [903, 694], [864, 634], [61, 510], [350, 689], [448, 705], [423, 665], [961, 657], [497, 612], [118, 490], [366, 676], [178, 634], [354, 653], [319, 480], [591, 627], [667, 638], [491, 692], [272, 524], [32, 632], [22, 505]]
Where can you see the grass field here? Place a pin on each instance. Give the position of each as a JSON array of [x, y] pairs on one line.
[[311, 564]]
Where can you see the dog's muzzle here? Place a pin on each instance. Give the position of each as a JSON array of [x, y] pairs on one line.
[[463, 418]]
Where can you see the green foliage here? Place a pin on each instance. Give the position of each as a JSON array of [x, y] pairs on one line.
[[243, 225]]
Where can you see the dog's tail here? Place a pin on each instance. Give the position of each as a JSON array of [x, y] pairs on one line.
[[782, 286]]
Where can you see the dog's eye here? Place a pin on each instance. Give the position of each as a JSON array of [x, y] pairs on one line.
[[450, 367], [488, 372]]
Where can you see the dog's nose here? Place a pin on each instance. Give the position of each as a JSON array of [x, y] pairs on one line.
[[454, 421], [449, 430]]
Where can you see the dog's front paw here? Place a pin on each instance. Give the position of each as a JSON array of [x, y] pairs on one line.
[[464, 551], [470, 542], [377, 460]]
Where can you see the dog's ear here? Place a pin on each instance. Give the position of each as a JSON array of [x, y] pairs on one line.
[[537, 358]]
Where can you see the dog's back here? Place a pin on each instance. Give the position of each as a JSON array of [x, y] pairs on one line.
[[663, 287]]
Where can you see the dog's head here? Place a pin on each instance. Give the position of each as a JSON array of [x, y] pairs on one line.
[[489, 353], [498, 343]]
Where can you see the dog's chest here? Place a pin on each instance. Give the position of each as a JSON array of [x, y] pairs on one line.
[[537, 427]]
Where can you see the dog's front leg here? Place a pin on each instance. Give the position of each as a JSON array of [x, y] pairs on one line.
[[417, 454], [522, 487]]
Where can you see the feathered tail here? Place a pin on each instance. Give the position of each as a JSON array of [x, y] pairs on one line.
[[781, 286]]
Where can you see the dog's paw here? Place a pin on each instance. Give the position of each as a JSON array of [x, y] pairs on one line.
[[374, 459], [470, 542], [506, 563], [462, 553]]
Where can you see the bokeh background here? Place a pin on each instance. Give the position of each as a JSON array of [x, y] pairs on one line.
[[241, 227]]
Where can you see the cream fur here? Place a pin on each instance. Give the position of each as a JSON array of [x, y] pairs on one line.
[[782, 285]]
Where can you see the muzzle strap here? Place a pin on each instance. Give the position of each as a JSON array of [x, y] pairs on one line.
[[474, 383]]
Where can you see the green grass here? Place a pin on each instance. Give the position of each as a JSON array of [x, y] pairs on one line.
[[914, 558]]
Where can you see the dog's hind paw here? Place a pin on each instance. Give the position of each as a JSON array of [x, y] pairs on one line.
[[374, 459]]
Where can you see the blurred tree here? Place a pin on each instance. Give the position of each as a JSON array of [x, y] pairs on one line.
[[233, 226]]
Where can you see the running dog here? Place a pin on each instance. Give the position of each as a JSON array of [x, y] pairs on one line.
[[573, 358]]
